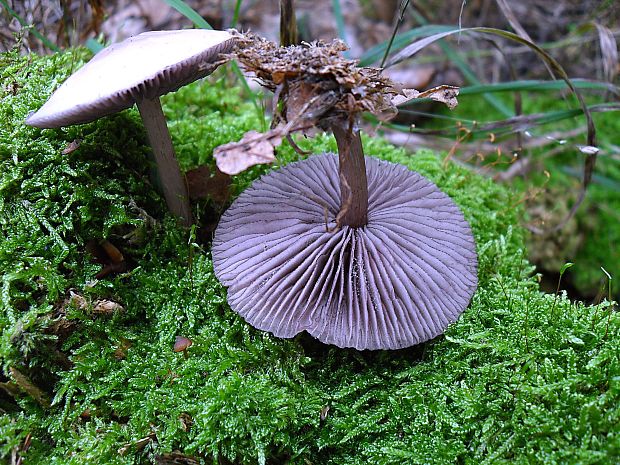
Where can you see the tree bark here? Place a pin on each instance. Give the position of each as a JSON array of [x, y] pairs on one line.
[[353, 182]]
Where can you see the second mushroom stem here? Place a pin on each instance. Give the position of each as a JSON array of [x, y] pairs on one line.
[[172, 181], [353, 182]]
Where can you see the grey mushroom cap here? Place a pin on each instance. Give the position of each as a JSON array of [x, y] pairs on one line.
[[145, 66], [397, 281]]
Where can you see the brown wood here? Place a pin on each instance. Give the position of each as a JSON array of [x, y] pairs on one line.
[[172, 181], [353, 182]]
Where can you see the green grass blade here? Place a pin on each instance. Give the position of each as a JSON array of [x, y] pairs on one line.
[[373, 55], [94, 46], [604, 181], [520, 123], [189, 13], [465, 69], [555, 67], [235, 18], [535, 86], [401, 14], [524, 85]]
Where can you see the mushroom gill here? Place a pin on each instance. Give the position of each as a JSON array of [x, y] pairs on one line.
[[396, 281]]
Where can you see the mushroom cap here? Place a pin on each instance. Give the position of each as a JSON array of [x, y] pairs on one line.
[[393, 283], [181, 343], [144, 66]]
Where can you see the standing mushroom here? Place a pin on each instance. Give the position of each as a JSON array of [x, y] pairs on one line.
[[356, 251], [139, 70]]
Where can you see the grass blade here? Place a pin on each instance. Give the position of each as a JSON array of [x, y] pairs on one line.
[[94, 46], [235, 18], [189, 13], [401, 15], [468, 73], [534, 86], [374, 54], [510, 125]]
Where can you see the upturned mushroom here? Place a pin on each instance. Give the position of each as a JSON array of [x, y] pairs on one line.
[[139, 70], [356, 251]]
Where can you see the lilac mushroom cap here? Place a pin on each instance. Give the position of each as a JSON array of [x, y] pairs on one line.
[[397, 281], [144, 66], [139, 70]]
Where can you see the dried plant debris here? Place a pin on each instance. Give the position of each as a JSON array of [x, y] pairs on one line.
[[206, 183], [26, 384], [176, 458], [98, 307], [108, 255], [313, 86], [317, 68], [253, 149]]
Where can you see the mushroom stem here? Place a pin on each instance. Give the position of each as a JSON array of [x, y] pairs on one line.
[[353, 183], [172, 181], [288, 23]]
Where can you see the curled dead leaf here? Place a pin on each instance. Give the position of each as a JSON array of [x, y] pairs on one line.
[[72, 146], [137, 445], [77, 301], [253, 149], [186, 421], [106, 307], [121, 349], [176, 458], [324, 412], [443, 94], [405, 96]]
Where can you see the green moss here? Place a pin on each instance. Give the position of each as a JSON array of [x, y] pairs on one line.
[[522, 377]]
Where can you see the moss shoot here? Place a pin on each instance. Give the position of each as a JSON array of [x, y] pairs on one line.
[[522, 377]]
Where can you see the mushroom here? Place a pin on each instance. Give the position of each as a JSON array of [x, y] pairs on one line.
[[356, 251], [139, 70], [181, 344]]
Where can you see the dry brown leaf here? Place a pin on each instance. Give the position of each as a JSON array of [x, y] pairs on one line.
[[121, 350], [76, 301], [108, 255], [186, 421], [30, 388], [405, 96], [137, 445], [107, 307], [203, 184], [443, 94], [176, 458], [72, 146], [112, 251], [253, 149]]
